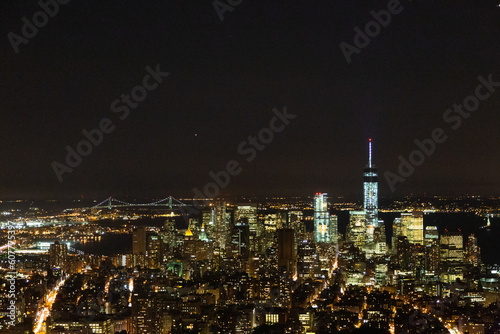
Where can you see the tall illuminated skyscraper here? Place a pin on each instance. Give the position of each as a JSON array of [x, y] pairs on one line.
[[139, 246], [356, 230], [334, 230], [248, 211], [153, 251], [222, 226], [416, 229], [139, 241], [473, 252], [431, 235], [432, 256], [452, 256], [412, 226], [208, 219], [370, 186], [58, 255], [321, 218]]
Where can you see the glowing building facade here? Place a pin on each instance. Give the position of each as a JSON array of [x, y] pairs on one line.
[[370, 187], [321, 218], [356, 230]]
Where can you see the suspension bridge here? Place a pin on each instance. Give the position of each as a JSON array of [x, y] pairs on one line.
[[168, 202]]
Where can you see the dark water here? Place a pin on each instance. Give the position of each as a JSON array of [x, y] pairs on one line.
[[488, 239], [110, 244]]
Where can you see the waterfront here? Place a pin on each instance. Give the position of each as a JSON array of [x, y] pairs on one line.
[[110, 244], [468, 223]]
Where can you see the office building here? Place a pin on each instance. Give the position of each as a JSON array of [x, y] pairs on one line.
[[334, 231], [287, 257], [473, 252], [356, 231], [58, 255], [370, 190], [139, 241], [410, 225], [403, 251], [240, 239], [139, 246], [209, 220], [321, 218], [452, 256], [432, 250], [154, 251], [431, 235], [222, 227], [416, 229], [248, 211], [307, 259], [169, 236]]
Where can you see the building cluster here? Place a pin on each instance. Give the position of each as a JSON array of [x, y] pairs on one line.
[[248, 268]]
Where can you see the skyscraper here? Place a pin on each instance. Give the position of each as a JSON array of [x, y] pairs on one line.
[[307, 259], [222, 227], [203, 234], [432, 255], [473, 252], [370, 187], [153, 251], [295, 221], [287, 257], [321, 218], [139, 241], [58, 255], [248, 211], [403, 251], [356, 230], [416, 228], [452, 256], [405, 223], [208, 219], [334, 230], [240, 239], [397, 231], [139, 246], [411, 225], [189, 244], [169, 236], [431, 235]]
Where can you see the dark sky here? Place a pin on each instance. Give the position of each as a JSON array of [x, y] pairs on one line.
[[225, 79]]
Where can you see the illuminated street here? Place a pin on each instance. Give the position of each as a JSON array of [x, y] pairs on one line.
[[44, 311]]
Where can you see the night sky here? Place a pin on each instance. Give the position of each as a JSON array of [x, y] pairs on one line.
[[225, 78]]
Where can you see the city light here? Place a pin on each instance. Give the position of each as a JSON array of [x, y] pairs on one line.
[[44, 310]]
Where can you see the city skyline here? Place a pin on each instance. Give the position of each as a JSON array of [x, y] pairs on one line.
[[282, 265], [249, 167], [269, 257]]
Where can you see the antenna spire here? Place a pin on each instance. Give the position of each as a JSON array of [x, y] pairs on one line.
[[370, 153]]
